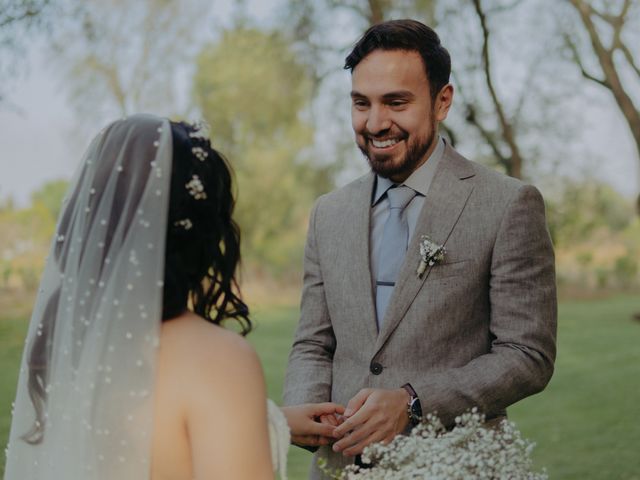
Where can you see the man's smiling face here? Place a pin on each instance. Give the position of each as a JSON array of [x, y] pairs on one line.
[[392, 114]]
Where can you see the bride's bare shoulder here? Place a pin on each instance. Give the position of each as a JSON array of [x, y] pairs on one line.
[[189, 341]]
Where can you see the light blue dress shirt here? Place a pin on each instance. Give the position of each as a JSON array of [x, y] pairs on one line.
[[420, 180]]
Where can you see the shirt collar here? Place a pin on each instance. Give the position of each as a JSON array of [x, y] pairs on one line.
[[420, 180]]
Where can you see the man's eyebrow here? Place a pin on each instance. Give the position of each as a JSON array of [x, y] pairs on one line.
[[387, 96], [399, 94]]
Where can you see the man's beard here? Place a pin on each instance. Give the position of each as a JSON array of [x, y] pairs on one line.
[[407, 165]]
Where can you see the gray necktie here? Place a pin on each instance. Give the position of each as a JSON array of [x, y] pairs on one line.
[[395, 238]]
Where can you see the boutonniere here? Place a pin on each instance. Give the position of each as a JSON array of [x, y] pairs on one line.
[[430, 254]]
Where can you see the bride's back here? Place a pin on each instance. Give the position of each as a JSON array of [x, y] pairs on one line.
[[210, 414], [134, 248]]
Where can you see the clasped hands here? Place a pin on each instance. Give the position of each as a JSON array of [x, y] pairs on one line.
[[371, 416]]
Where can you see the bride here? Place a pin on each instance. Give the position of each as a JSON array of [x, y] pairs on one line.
[[127, 373]]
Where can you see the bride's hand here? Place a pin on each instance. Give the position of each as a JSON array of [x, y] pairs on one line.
[[310, 424]]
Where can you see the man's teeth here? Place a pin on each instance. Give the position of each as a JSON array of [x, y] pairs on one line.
[[384, 144]]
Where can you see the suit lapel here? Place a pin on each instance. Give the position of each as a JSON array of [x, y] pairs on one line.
[[442, 208], [358, 244]]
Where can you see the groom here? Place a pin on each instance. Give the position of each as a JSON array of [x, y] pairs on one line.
[[429, 283]]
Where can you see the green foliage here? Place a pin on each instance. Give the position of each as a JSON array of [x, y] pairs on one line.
[[26, 236], [254, 92], [626, 269], [582, 208], [50, 195], [251, 88]]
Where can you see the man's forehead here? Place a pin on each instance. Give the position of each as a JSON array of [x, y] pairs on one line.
[[390, 63], [387, 72]]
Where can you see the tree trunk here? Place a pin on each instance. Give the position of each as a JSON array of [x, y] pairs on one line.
[[612, 79]]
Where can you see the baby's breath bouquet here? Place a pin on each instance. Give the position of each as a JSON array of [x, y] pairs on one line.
[[469, 451]]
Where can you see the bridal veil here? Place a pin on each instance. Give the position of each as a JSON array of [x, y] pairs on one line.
[[84, 404]]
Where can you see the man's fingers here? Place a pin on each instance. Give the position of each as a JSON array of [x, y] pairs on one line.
[[352, 423], [352, 437], [356, 402]]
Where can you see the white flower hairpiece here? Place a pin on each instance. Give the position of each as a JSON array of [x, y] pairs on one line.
[[196, 189], [200, 153], [201, 130], [430, 254], [184, 223]]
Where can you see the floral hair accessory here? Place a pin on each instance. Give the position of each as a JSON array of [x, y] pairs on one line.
[[200, 153], [196, 189], [430, 254], [184, 223], [200, 131]]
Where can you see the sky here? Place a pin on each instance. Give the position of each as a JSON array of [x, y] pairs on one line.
[[39, 140]]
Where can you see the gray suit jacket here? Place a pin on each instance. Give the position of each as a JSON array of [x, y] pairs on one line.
[[477, 329]]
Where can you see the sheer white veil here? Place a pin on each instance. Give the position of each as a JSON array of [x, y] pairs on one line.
[[84, 404]]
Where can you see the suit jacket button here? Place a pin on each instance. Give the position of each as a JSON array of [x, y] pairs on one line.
[[376, 368]]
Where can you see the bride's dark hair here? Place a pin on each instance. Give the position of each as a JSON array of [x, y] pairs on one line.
[[202, 250], [203, 242]]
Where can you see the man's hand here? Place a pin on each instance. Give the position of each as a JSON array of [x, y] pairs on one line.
[[312, 424], [373, 415]]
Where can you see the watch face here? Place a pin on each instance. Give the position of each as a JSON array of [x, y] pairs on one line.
[[416, 410]]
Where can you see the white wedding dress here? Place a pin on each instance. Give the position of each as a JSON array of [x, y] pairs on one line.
[[279, 437]]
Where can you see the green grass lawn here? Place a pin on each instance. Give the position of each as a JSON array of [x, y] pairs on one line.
[[586, 423]]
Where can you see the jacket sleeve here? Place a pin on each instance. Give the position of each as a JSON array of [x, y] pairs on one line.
[[523, 321], [309, 371]]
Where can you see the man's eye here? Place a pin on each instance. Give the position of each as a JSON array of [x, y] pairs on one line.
[[398, 103]]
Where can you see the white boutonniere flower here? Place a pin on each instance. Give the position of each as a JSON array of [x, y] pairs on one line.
[[430, 254]]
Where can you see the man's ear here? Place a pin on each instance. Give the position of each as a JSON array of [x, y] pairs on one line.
[[443, 101]]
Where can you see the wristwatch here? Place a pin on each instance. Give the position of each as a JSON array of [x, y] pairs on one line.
[[414, 409]]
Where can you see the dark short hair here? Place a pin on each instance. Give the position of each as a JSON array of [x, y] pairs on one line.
[[409, 35]]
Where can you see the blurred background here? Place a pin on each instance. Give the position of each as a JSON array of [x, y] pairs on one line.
[[546, 91]]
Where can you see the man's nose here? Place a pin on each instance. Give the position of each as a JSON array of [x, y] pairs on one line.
[[378, 121]]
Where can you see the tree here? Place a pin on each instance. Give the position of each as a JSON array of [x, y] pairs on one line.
[[255, 93], [121, 58], [503, 138], [615, 51], [17, 19]]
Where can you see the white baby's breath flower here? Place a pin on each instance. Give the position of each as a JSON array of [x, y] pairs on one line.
[[469, 450]]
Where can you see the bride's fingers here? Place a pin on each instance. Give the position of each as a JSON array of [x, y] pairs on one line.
[[322, 429], [329, 408], [329, 420], [304, 440], [310, 440]]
